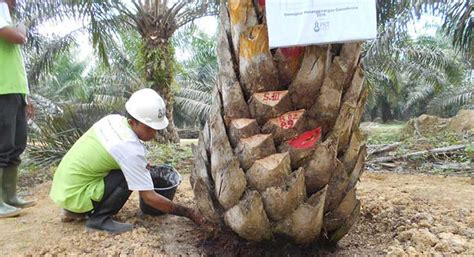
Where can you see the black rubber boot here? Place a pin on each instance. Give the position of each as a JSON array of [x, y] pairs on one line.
[[5, 209], [10, 180], [115, 196]]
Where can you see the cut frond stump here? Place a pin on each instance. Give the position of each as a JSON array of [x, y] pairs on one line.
[[220, 148], [286, 126], [305, 87], [254, 148], [301, 147], [337, 186], [327, 106], [280, 201], [358, 169], [242, 128], [359, 112], [258, 73], [229, 179], [288, 63], [230, 184], [355, 88], [232, 95], [342, 128], [269, 171], [202, 167], [319, 169], [248, 218], [267, 105], [203, 197], [200, 182], [352, 153], [347, 225], [305, 223], [335, 219]]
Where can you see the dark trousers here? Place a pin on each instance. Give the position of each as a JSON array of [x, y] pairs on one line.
[[115, 196], [12, 129]]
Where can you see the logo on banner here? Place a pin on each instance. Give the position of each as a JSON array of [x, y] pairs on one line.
[[321, 26]]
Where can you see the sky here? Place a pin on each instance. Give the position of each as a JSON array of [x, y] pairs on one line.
[[427, 25]]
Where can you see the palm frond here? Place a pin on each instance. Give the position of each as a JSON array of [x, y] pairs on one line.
[[58, 133], [49, 53], [459, 23], [196, 10], [418, 94], [389, 9], [455, 98], [194, 109]]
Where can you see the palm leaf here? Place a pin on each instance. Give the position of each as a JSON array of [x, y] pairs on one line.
[[454, 98]]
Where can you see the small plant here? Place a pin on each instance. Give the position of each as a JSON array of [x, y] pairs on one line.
[[179, 156], [470, 151], [384, 133]]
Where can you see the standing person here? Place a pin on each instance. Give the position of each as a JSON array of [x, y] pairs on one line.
[[97, 175], [14, 110]]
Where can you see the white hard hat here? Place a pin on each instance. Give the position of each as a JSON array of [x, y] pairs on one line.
[[146, 106]]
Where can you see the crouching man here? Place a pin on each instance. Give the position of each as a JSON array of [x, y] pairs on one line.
[[97, 175]]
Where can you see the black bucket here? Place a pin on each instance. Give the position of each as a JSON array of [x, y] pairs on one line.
[[166, 180]]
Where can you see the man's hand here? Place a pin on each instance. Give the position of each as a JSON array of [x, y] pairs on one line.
[[192, 214], [30, 111], [197, 217], [14, 35]]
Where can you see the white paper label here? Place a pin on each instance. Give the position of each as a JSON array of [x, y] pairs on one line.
[[311, 22]]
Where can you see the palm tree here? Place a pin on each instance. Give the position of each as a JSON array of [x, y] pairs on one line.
[[403, 80], [296, 137], [196, 78], [453, 87], [282, 151]]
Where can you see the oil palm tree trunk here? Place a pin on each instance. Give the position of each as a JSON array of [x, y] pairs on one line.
[[282, 151], [158, 57]]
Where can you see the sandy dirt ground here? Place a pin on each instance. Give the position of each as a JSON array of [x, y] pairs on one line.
[[401, 215]]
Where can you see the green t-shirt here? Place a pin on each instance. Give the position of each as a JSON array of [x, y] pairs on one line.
[[12, 68], [79, 177], [108, 145]]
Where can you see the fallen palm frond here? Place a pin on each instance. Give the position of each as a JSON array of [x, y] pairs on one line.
[[377, 149], [434, 151]]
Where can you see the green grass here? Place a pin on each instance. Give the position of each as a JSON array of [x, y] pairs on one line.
[[178, 155], [383, 133]]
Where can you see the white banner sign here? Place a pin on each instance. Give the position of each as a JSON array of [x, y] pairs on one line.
[[311, 22]]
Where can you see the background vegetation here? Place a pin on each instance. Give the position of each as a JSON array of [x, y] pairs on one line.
[[407, 74]]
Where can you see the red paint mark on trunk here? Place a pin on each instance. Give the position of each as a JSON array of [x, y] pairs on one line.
[[292, 52], [288, 120], [272, 96], [261, 3], [306, 140]]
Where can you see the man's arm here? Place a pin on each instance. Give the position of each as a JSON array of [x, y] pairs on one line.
[[163, 204], [13, 35]]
